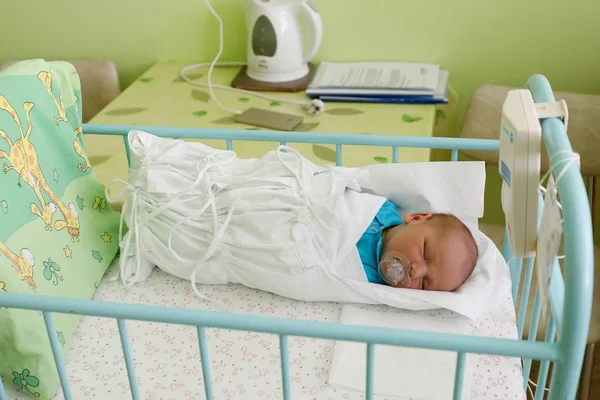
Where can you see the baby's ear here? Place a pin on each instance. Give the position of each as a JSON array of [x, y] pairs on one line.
[[417, 217]]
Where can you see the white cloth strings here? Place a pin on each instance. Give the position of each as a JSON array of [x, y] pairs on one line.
[[570, 160], [136, 194], [303, 194]]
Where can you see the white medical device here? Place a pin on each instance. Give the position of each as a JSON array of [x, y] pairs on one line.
[[519, 165], [520, 143]]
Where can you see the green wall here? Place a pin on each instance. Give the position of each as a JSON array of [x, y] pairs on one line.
[[500, 42], [478, 41]]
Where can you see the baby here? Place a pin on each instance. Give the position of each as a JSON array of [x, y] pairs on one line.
[[419, 251]]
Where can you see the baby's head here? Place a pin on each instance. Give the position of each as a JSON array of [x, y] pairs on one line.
[[441, 250]]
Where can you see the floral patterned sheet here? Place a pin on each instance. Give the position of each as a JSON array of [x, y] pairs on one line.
[[245, 365]]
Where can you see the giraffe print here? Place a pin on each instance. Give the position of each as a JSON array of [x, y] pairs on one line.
[[22, 264], [79, 150], [26, 164], [45, 214], [46, 79], [17, 156]]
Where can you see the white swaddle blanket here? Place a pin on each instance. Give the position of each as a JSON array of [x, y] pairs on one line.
[[286, 226]]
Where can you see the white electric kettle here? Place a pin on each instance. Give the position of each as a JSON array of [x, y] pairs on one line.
[[276, 51]]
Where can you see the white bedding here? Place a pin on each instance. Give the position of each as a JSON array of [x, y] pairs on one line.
[[287, 226], [244, 365]]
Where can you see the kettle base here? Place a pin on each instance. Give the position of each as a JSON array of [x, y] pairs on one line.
[[243, 81]]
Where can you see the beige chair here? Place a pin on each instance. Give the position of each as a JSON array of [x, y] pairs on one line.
[[482, 120], [99, 84]]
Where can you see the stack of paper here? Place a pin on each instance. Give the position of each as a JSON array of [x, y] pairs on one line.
[[379, 82]]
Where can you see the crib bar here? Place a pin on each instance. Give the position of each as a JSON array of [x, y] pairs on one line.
[[528, 275], [283, 143], [508, 256], [135, 394], [459, 375], [579, 249], [454, 156], [285, 367], [127, 151], [515, 267], [229, 144], [3, 395], [208, 389], [370, 371], [294, 137], [275, 325], [58, 359], [394, 154], [338, 154], [533, 328], [544, 365], [525, 295]]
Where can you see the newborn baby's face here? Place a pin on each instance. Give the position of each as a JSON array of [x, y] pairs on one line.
[[438, 256]]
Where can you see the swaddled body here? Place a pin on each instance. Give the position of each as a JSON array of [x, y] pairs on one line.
[[234, 218], [280, 224]]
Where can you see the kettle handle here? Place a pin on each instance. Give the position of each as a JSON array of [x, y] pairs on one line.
[[317, 29]]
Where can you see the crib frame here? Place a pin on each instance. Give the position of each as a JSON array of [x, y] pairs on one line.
[[570, 296]]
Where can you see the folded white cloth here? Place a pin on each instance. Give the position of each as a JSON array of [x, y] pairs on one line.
[[287, 226], [400, 372]]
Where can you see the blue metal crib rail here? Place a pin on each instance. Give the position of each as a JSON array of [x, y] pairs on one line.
[[570, 298]]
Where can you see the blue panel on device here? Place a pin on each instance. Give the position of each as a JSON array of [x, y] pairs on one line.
[[505, 172]]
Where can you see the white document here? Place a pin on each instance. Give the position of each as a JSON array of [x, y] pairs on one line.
[[377, 75], [401, 372]]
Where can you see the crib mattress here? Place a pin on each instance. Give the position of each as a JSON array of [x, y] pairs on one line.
[[245, 365]]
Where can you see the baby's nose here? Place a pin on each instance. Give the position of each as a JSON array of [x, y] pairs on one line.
[[417, 270]]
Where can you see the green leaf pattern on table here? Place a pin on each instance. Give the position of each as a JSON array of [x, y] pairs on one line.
[[96, 160], [306, 127], [200, 113], [343, 111], [439, 115], [324, 153], [410, 118], [253, 129], [194, 76], [224, 121], [380, 159], [275, 104], [200, 95], [125, 111], [244, 99], [146, 80]]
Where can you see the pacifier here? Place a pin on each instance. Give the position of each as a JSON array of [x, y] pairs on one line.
[[394, 269]]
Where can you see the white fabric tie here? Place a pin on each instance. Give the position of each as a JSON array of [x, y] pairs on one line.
[[202, 186]]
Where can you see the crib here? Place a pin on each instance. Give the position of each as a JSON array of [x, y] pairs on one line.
[[570, 290]]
